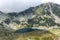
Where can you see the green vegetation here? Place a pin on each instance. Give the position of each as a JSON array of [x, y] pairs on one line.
[[47, 38]]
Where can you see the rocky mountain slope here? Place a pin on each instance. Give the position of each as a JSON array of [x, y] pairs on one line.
[[46, 15]]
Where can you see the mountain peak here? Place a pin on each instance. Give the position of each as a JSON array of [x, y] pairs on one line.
[[1, 12]]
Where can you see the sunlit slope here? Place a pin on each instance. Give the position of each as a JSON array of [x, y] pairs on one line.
[[37, 35], [55, 31]]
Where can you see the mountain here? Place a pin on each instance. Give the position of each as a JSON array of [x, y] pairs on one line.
[[32, 23], [46, 14]]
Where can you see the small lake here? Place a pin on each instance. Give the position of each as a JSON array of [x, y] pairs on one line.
[[25, 30]]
